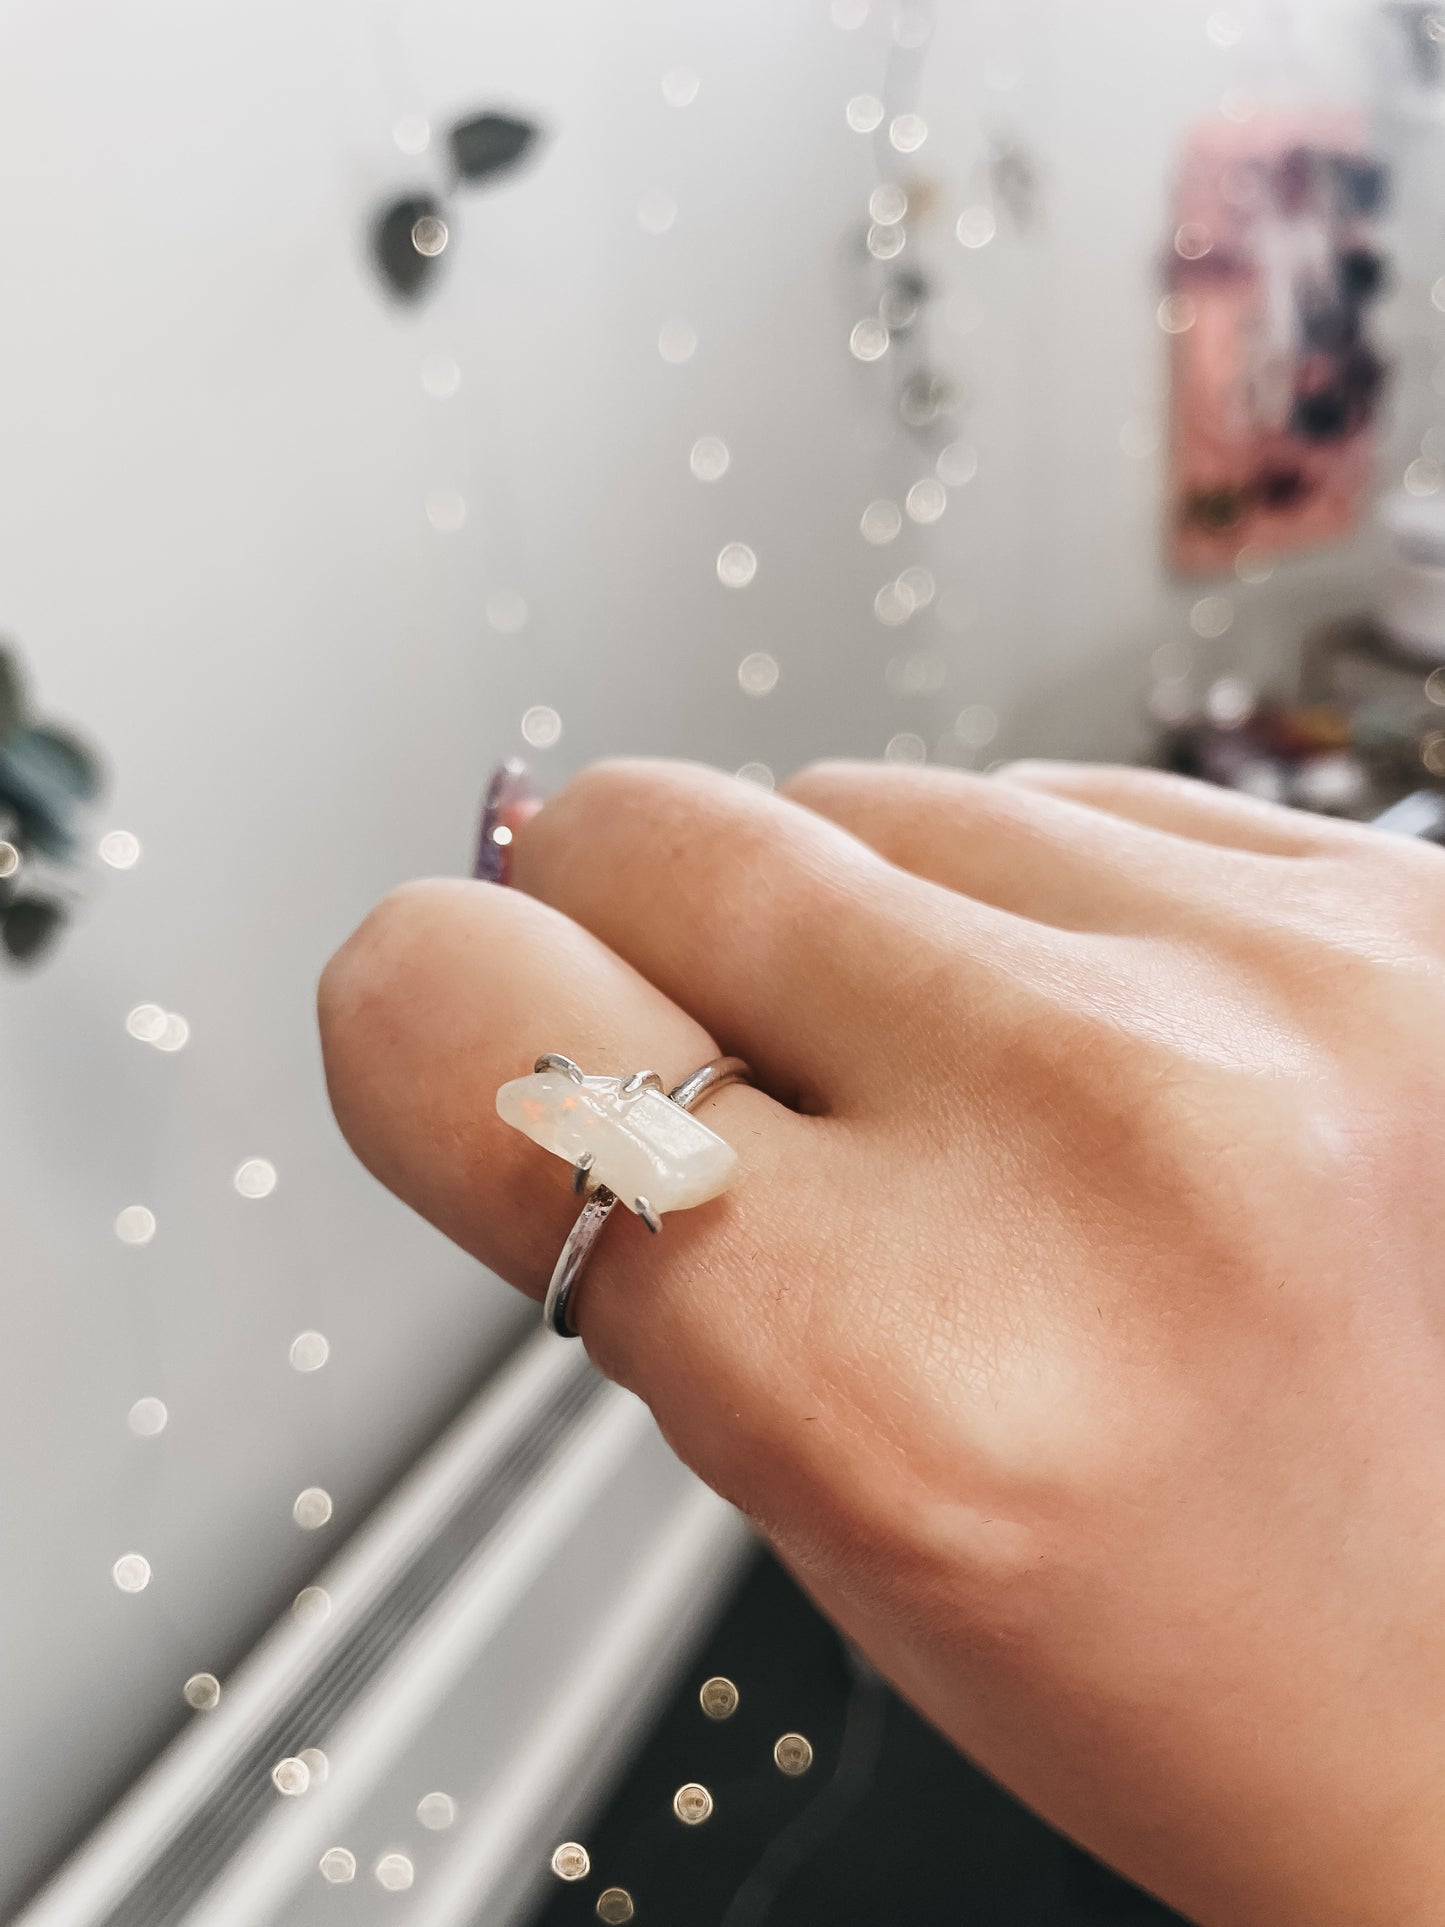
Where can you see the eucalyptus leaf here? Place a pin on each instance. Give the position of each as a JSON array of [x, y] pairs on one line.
[[404, 268], [37, 782], [490, 144], [73, 764], [29, 926], [12, 695]]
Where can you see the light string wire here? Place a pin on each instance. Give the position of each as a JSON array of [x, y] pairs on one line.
[[901, 91], [800, 1841]]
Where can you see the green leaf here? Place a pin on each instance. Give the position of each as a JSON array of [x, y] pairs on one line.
[[38, 781], [405, 270], [29, 926], [489, 144], [12, 695], [75, 768]]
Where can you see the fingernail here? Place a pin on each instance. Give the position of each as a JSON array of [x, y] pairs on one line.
[[511, 797]]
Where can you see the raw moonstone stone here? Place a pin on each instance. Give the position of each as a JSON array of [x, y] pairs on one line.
[[643, 1146]]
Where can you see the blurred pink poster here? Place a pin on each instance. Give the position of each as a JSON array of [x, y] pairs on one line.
[[1274, 272]]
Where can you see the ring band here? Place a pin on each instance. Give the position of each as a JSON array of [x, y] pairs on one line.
[[573, 1257]]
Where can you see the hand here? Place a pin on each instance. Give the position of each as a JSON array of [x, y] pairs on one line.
[[1077, 1329]]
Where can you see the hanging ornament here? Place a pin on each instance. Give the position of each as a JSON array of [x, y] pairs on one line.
[[412, 232]]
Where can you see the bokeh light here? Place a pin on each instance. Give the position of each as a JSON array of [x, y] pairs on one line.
[[736, 565], [256, 1178], [311, 1605], [311, 1508], [202, 1692], [692, 1804], [395, 1872], [656, 212], [887, 204], [412, 134], [131, 1572], [571, 1861], [507, 612], [120, 849], [677, 342], [441, 376], [905, 747], [869, 339], [436, 1811], [718, 1697], [147, 1418], [542, 726], [709, 458], [680, 86], [309, 1351], [446, 510], [880, 522], [429, 235], [758, 674], [926, 500], [136, 1225]]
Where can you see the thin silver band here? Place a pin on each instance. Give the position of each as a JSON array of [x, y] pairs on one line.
[[572, 1259]]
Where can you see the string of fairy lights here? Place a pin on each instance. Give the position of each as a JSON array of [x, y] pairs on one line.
[[692, 1804], [918, 402]]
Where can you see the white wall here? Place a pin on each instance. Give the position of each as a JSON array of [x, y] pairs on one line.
[[214, 456]]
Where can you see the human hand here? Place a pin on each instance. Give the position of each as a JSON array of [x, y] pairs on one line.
[[1076, 1331]]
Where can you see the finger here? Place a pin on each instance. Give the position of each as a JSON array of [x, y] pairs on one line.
[[1034, 855], [734, 903], [1178, 805], [450, 989]]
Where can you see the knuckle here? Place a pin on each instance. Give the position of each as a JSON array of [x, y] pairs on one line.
[[708, 826], [1105, 782], [679, 814], [1031, 769], [618, 788], [1145, 782], [614, 781], [366, 972], [828, 777]]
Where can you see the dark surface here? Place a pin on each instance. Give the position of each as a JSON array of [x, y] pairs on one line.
[[890, 1825]]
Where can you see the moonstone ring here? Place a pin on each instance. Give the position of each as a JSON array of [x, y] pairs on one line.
[[628, 1140]]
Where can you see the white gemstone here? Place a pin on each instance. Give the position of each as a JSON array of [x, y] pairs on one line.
[[643, 1146]]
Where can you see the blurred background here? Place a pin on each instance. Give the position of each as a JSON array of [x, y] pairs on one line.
[[394, 387]]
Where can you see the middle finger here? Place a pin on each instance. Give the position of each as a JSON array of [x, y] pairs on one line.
[[771, 926]]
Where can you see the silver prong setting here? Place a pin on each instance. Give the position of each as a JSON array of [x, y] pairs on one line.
[[648, 1216], [642, 1081], [554, 1061], [581, 1171]]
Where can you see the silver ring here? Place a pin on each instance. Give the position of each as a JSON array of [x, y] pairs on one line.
[[573, 1257]]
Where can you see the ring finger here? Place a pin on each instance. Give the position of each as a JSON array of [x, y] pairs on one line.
[[450, 989]]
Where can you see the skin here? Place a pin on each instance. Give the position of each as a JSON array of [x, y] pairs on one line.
[[1076, 1330]]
